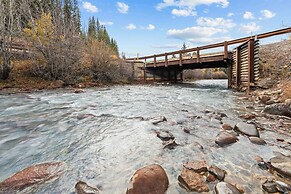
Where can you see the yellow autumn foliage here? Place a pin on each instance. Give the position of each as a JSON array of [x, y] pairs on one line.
[[40, 31]]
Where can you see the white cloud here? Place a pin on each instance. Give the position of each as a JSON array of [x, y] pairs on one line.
[[89, 7], [249, 28], [109, 23], [131, 27], [195, 32], [184, 12], [150, 27], [216, 22], [230, 14], [248, 15], [122, 7], [190, 3], [268, 14]]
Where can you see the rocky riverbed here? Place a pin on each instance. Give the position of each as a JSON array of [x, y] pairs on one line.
[[196, 137]]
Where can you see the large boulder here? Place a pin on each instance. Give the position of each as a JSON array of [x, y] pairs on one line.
[[32, 175], [149, 179], [247, 129], [225, 138], [223, 188], [192, 181], [281, 165], [283, 109]]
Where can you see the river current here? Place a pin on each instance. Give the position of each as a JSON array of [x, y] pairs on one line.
[[101, 135]]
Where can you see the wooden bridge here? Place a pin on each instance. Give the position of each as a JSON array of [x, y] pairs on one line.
[[242, 62]]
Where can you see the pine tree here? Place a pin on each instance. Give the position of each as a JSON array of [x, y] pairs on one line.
[[68, 9], [76, 16]]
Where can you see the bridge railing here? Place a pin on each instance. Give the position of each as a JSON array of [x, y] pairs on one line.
[[225, 45]]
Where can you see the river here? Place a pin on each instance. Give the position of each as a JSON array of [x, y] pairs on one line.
[[103, 140]]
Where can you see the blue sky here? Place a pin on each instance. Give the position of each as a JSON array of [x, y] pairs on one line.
[[147, 27]]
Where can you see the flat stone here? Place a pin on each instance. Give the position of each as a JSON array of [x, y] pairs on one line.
[[281, 165], [165, 135], [217, 172], [225, 138], [226, 188], [149, 179], [210, 178], [157, 120], [247, 129], [227, 127], [171, 144], [270, 187], [196, 166], [32, 175], [283, 187], [192, 181], [278, 109], [257, 140], [248, 116], [83, 188]]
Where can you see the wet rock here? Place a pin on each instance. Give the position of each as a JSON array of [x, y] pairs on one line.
[[32, 175], [281, 165], [278, 109], [171, 144], [165, 135], [270, 187], [257, 140], [283, 187], [186, 130], [223, 188], [84, 116], [217, 172], [247, 129], [210, 178], [58, 84], [248, 116], [263, 99], [196, 166], [149, 179], [83, 188], [227, 127], [157, 120], [79, 91], [192, 181], [225, 138]]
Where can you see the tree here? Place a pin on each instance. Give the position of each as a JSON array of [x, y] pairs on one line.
[[76, 15], [10, 26], [184, 47]]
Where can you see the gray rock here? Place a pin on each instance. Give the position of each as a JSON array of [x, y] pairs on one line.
[[217, 172], [165, 135], [225, 138], [226, 188], [157, 120], [270, 187], [83, 188], [283, 187], [281, 165], [247, 129], [278, 109], [257, 140]]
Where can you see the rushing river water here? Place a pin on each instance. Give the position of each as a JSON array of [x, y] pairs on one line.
[[100, 136]]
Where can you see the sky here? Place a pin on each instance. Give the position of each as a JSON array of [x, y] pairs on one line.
[[146, 27]]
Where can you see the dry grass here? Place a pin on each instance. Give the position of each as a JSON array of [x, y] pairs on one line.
[[285, 86]]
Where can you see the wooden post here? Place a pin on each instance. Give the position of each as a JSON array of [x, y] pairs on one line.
[[166, 60], [251, 61], [155, 61], [225, 50], [154, 74], [198, 55], [238, 67], [180, 57], [144, 73], [229, 69]]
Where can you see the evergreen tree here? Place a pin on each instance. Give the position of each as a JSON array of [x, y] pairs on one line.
[[68, 9], [92, 28], [76, 15]]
